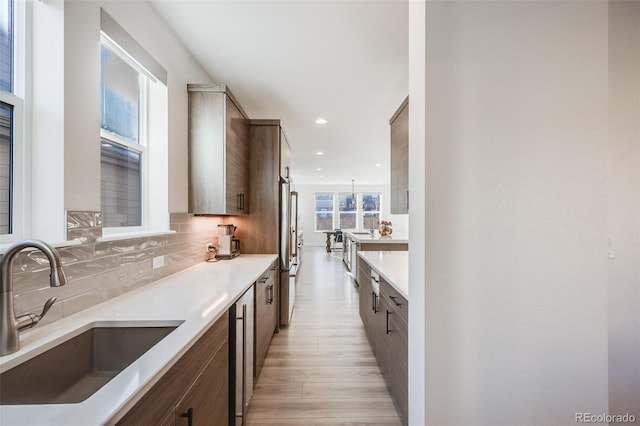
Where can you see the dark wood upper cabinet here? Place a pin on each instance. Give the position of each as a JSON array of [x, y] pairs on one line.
[[400, 159], [218, 152]]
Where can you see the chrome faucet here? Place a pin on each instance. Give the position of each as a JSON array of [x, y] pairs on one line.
[[9, 324]]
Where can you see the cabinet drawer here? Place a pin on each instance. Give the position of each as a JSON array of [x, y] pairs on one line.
[[396, 300]]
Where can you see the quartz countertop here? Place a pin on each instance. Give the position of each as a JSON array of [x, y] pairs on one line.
[[393, 266], [364, 236], [197, 297]]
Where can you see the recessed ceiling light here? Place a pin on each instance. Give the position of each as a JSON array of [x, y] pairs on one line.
[[321, 121], [318, 169], [378, 165], [321, 176], [319, 153]]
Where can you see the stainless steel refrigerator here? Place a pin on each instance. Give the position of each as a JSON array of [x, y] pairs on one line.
[[287, 279]]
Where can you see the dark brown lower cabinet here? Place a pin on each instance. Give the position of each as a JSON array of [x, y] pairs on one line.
[[266, 317], [384, 314], [195, 391], [398, 351]]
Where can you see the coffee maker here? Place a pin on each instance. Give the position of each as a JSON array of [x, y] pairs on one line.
[[228, 244]]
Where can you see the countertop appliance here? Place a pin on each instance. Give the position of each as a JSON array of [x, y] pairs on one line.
[[241, 337], [228, 244]]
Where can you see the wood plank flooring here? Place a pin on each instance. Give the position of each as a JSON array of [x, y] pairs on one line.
[[320, 370]]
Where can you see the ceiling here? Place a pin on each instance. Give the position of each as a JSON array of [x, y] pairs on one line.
[[345, 61]]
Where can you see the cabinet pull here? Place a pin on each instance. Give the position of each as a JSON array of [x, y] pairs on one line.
[[407, 199], [373, 301], [264, 280], [270, 299], [395, 301], [244, 364], [189, 415], [388, 313], [239, 201]]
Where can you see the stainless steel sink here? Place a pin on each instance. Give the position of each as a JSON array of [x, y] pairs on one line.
[[75, 369]]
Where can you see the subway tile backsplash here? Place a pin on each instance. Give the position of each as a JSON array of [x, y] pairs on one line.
[[98, 271]]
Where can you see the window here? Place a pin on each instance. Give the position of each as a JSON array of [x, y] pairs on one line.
[[12, 148], [370, 210], [324, 211], [6, 45], [348, 209], [6, 146], [133, 135], [355, 210], [123, 144]]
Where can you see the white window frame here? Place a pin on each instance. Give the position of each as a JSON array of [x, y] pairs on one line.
[[19, 100], [354, 212], [316, 211], [141, 146], [361, 206]]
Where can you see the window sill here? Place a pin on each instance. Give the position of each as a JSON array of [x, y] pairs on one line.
[[129, 235]]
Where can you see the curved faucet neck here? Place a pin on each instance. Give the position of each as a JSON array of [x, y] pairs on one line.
[[6, 264]]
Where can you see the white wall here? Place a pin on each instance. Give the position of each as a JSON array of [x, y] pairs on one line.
[[47, 144], [417, 212], [515, 212], [623, 202], [66, 120], [306, 206]]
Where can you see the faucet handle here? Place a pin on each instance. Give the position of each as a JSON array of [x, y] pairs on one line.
[[30, 320], [47, 305]]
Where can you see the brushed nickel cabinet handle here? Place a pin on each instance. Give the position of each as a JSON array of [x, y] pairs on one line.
[[270, 297]]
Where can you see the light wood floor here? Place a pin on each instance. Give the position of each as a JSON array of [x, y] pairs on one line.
[[320, 370]]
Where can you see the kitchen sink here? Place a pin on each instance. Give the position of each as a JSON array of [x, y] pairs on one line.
[[78, 367]]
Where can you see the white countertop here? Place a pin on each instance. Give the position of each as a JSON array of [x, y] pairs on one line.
[[363, 236], [198, 296], [393, 266]]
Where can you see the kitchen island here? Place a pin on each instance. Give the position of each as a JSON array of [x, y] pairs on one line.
[[392, 266], [355, 241], [194, 298], [384, 310]]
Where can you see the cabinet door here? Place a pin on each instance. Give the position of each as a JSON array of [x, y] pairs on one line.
[[397, 372], [399, 179], [266, 315], [237, 160], [285, 156], [207, 400], [397, 340], [381, 335], [365, 297], [164, 395]]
